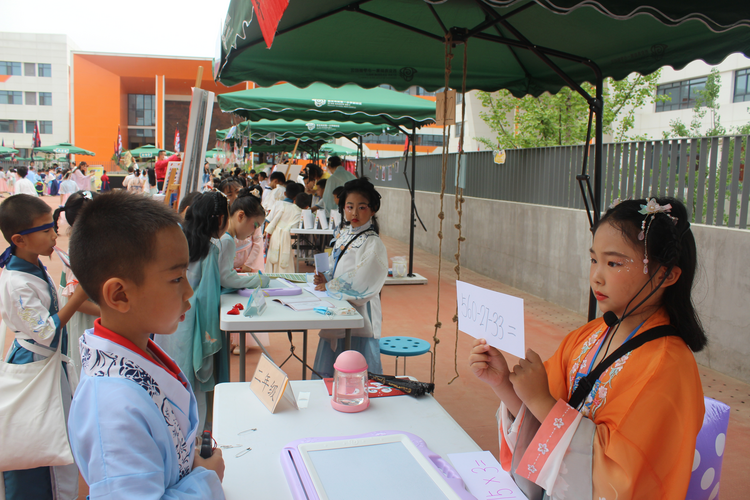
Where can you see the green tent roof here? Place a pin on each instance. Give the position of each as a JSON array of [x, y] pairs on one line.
[[337, 149], [63, 148], [402, 42], [6, 151], [350, 103], [148, 151], [301, 128]]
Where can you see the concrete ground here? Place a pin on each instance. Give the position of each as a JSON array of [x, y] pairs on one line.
[[411, 310]]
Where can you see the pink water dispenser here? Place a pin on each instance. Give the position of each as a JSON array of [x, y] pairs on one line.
[[350, 383]]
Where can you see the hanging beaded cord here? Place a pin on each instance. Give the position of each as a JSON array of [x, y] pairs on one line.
[[651, 209]]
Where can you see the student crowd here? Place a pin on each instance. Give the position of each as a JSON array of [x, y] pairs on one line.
[[137, 311]]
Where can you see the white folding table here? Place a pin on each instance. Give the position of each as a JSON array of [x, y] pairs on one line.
[[241, 419], [280, 318]]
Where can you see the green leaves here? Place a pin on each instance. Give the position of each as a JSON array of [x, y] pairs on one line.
[[562, 119]]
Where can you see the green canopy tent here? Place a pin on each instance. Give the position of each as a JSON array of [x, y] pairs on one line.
[[7, 151], [349, 103], [337, 149], [63, 148], [147, 152], [306, 129], [281, 129], [524, 46]]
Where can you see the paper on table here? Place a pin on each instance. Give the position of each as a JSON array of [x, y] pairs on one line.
[[321, 262], [494, 316], [484, 477], [315, 292], [303, 302]]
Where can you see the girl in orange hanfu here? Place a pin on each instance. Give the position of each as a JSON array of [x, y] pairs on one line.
[[630, 432]]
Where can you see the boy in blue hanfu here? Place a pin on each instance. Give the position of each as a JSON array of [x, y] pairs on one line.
[[29, 307], [134, 417]]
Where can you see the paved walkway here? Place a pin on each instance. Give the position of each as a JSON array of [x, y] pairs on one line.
[[410, 310]]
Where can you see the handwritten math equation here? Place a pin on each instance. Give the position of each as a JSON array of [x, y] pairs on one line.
[[484, 315], [491, 477], [493, 316]]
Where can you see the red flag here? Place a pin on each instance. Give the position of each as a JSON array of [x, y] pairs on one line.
[[406, 146], [36, 138], [269, 13], [176, 141]]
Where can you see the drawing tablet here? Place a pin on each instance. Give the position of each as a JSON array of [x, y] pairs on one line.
[[387, 464]]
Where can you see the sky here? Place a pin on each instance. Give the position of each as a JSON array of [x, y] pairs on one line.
[[155, 27]]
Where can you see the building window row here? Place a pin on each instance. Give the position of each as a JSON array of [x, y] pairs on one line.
[[29, 69], [684, 94], [17, 126], [16, 97]]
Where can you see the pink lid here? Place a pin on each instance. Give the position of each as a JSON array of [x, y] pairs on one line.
[[350, 362]]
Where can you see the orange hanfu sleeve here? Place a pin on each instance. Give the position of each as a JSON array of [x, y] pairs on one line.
[[637, 441]]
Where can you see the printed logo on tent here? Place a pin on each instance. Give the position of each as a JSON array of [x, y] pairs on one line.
[[657, 51], [311, 126], [319, 102], [407, 73]]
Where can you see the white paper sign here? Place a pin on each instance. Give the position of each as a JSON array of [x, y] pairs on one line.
[[321, 214], [484, 477], [321, 262], [493, 316]]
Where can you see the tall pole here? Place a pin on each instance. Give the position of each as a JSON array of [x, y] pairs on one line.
[[412, 220], [598, 148]]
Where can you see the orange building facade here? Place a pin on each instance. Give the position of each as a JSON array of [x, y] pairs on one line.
[[147, 97]]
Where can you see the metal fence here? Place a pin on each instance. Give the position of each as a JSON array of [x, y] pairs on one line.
[[707, 174]]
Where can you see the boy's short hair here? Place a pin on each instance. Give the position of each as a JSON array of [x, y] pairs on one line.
[[262, 175], [279, 177], [114, 236], [303, 200], [22, 171], [18, 212], [321, 183], [293, 189]]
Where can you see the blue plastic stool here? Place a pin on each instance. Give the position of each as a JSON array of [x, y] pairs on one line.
[[404, 347]]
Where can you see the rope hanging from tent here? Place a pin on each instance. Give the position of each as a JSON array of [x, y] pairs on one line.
[[441, 214], [459, 200], [459, 203]]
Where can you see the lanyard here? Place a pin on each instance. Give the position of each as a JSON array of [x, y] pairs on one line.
[[602, 343]]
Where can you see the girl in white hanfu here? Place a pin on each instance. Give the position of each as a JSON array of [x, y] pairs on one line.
[[286, 215], [359, 265]]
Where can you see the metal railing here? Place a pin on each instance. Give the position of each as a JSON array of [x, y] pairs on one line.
[[707, 174]]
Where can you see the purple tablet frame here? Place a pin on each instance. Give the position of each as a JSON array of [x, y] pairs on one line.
[[291, 457]]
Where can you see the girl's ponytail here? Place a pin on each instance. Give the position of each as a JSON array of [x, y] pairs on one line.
[[203, 221]]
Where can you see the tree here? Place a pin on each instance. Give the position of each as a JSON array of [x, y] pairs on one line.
[[562, 119], [706, 103]]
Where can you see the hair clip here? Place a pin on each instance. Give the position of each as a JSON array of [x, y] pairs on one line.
[[87, 195], [616, 202], [650, 210]]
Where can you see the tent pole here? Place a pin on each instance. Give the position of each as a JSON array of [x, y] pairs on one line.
[[598, 148], [412, 219]]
